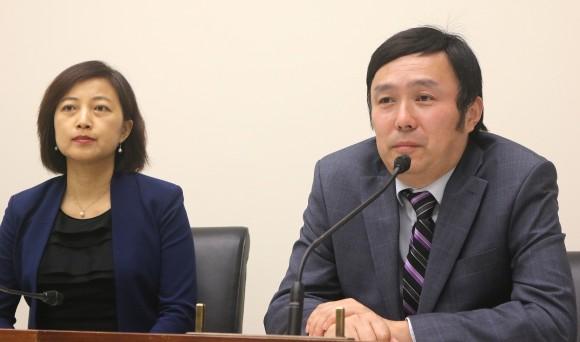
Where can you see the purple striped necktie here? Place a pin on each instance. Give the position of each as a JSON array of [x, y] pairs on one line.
[[419, 247]]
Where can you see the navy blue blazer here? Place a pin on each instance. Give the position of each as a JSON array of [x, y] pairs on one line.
[[152, 251], [497, 270]]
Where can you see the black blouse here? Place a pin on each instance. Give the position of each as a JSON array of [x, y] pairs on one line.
[[78, 262]]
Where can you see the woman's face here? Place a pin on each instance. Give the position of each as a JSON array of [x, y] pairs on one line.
[[88, 123]]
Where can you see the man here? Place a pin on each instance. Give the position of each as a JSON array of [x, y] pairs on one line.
[[467, 245]]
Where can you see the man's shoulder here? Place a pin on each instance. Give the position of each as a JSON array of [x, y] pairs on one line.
[[507, 162], [358, 158], [504, 151]]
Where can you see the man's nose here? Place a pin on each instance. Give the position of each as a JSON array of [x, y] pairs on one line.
[[405, 120]]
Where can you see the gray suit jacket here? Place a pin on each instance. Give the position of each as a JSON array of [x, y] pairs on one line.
[[497, 268]]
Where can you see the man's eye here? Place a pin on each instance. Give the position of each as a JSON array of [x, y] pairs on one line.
[[386, 100], [102, 108], [423, 98]]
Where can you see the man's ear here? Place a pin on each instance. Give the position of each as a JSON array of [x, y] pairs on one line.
[[473, 114]]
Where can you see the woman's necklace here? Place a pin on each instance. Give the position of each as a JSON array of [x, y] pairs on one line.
[[83, 211]]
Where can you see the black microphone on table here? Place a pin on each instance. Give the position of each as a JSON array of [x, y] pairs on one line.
[[401, 164], [49, 297]]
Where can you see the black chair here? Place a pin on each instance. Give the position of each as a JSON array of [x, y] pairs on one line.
[[574, 259], [221, 254]]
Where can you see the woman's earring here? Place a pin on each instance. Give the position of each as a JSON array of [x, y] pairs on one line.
[[56, 148], [120, 149]]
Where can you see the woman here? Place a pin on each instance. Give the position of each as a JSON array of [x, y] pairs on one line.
[[116, 243]]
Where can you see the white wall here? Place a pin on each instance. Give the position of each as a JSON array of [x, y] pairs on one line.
[[242, 97]]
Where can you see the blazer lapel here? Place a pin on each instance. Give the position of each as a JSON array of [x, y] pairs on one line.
[[35, 239], [38, 231], [460, 205], [381, 220]]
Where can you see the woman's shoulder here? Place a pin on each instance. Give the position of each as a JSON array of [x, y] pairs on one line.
[[148, 187], [30, 198], [156, 196], [39, 191]]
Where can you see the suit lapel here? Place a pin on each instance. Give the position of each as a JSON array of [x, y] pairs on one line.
[[459, 207], [39, 229], [35, 238], [382, 225], [127, 221], [121, 214]]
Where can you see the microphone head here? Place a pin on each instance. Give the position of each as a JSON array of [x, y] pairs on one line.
[[403, 162], [53, 298]]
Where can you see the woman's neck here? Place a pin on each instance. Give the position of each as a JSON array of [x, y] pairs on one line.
[[85, 182]]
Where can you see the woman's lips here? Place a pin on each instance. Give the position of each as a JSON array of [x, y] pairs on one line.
[[83, 139]]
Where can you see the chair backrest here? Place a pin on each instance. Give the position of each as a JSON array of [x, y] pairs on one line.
[[574, 259], [221, 254]]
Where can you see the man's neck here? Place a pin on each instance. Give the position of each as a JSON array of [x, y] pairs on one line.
[[436, 188]]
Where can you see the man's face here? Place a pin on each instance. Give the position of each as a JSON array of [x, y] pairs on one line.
[[414, 112]]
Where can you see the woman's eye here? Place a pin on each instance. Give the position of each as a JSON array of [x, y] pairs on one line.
[[102, 108], [67, 108]]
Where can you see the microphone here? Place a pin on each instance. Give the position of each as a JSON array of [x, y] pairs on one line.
[[49, 297], [401, 164]]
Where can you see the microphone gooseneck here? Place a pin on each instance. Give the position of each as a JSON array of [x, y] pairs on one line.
[[51, 297], [401, 164]]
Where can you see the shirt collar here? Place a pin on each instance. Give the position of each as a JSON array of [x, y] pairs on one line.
[[437, 188]]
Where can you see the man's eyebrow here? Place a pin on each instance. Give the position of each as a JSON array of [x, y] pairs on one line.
[[427, 82], [424, 82], [382, 87]]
